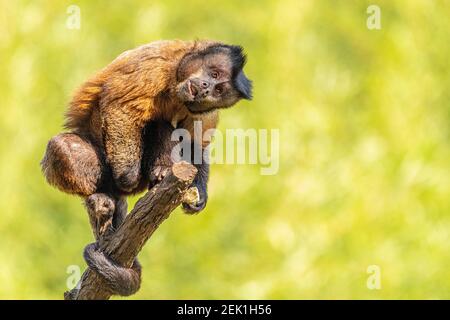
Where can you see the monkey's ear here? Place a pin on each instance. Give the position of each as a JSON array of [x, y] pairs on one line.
[[243, 85]]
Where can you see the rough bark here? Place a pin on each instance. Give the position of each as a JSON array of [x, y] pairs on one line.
[[124, 245]]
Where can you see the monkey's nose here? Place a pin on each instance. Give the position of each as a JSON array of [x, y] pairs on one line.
[[204, 85]]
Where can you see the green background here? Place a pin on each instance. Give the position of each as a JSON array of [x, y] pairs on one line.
[[364, 149]]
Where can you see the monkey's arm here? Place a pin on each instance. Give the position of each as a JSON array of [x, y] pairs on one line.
[[161, 161], [122, 137], [160, 154], [200, 182], [207, 124]]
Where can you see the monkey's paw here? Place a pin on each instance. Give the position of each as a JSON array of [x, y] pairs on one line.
[[101, 210], [193, 201], [193, 209], [121, 281]]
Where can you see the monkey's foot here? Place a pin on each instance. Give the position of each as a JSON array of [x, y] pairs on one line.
[[121, 281], [101, 208]]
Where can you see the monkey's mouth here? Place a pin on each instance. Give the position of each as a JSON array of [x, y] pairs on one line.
[[192, 89], [194, 103]]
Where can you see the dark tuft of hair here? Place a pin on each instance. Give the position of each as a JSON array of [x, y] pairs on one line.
[[243, 85], [236, 53], [238, 58]]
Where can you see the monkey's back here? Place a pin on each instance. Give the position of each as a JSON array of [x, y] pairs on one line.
[[138, 74]]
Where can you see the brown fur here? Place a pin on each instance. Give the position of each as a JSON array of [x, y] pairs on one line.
[[113, 107], [72, 164], [120, 122], [135, 83], [161, 82]]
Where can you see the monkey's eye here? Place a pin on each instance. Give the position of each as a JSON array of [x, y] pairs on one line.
[[219, 89], [214, 74]]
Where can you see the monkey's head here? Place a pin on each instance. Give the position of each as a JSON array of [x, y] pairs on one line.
[[213, 78]]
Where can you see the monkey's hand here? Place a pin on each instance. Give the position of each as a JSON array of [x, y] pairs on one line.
[[192, 207], [199, 183], [160, 157], [121, 281], [195, 198]]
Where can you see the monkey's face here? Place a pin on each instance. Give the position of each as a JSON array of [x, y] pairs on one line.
[[212, 79]]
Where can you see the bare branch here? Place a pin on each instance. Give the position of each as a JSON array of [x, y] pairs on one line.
[[124, 245]]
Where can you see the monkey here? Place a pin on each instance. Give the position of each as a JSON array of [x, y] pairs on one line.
[[119, 123]]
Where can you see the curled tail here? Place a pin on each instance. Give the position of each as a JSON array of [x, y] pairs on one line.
[[122, 281]]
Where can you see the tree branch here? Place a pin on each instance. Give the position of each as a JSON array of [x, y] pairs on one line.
[[124, 245]]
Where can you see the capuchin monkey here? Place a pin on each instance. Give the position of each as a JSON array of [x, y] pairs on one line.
[[119, 127]]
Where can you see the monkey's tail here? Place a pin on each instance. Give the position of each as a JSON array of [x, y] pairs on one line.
[[122, 281], [83, 103]]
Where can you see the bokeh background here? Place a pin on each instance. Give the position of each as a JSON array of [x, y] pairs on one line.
[[364, 155]]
